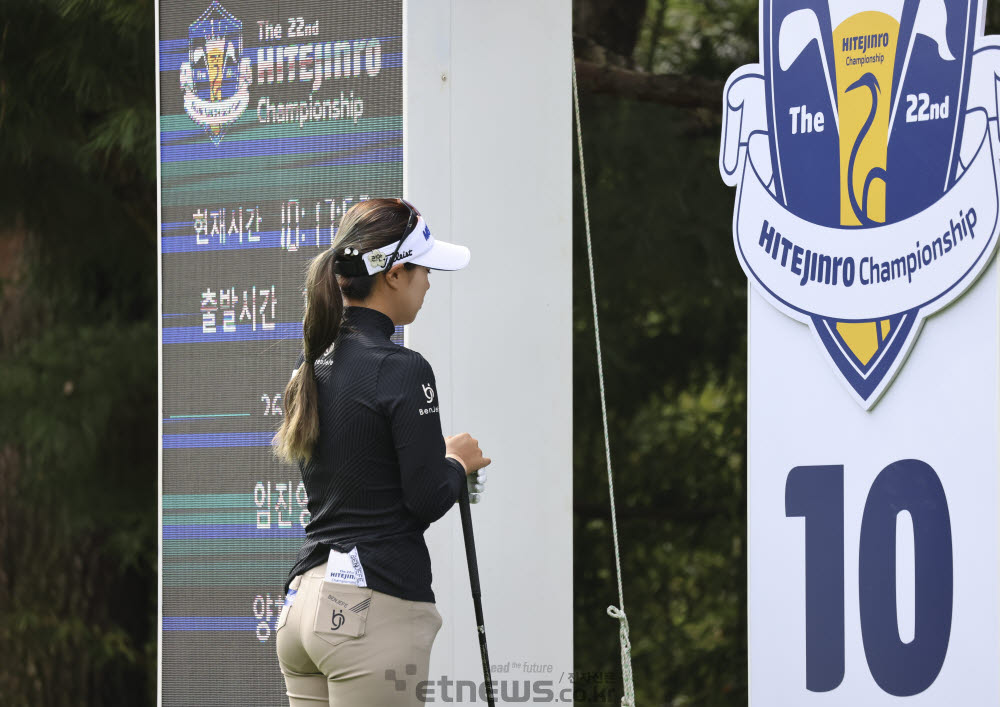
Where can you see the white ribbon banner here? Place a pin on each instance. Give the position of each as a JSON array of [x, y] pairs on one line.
[[869, 273]]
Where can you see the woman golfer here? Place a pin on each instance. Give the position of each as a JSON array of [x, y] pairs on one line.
[[363, 424]]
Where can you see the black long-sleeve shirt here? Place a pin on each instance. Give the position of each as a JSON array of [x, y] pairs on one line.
[[378, 476]]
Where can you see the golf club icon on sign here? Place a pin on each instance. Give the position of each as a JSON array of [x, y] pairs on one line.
[[862, 148]]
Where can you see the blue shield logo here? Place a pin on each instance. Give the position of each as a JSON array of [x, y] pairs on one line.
[[862, 151], [216, 78]]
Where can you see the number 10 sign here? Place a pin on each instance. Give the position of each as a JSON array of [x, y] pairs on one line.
[[864, 152]]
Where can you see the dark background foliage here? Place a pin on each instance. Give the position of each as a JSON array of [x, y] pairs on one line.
[[78, 371]]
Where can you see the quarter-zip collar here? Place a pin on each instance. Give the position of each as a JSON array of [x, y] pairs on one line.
[[368, 319]]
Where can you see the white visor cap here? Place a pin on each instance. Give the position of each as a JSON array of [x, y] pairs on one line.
[[419, 248]]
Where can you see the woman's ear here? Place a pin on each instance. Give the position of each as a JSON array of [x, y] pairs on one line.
[[395, 277]]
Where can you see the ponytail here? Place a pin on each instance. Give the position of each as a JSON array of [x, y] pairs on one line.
[[299, 431]]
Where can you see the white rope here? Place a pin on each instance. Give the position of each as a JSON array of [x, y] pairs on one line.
[[628, 699]]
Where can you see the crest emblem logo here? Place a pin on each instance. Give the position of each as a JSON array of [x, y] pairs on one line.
[[863, 149], [216, 77]]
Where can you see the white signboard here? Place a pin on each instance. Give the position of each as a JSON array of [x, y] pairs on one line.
[[863, 149]]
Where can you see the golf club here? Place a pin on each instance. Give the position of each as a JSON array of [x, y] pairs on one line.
[[477, 595]]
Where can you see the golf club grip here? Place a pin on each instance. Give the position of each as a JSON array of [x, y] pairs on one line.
[[470, 543]]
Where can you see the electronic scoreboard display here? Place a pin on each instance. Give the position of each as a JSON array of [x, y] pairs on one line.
[[275, 118]]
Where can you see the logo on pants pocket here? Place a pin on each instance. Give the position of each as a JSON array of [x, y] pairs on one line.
[[337, 620], [341, 612]]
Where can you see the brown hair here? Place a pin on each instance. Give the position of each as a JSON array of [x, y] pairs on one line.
[[370, 224]]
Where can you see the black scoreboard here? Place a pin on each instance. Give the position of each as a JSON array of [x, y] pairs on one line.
[[274, 118]]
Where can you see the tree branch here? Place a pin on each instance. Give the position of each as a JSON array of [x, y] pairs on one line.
[[668, 89], [598, 511]]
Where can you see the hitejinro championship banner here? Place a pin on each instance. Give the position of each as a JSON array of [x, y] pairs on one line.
[[275, 118], [863, 148]]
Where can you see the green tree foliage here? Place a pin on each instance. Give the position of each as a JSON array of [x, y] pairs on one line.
[[672, 303], [78, 369]]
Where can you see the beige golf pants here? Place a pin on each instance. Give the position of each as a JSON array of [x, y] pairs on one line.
[[352, 646]]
